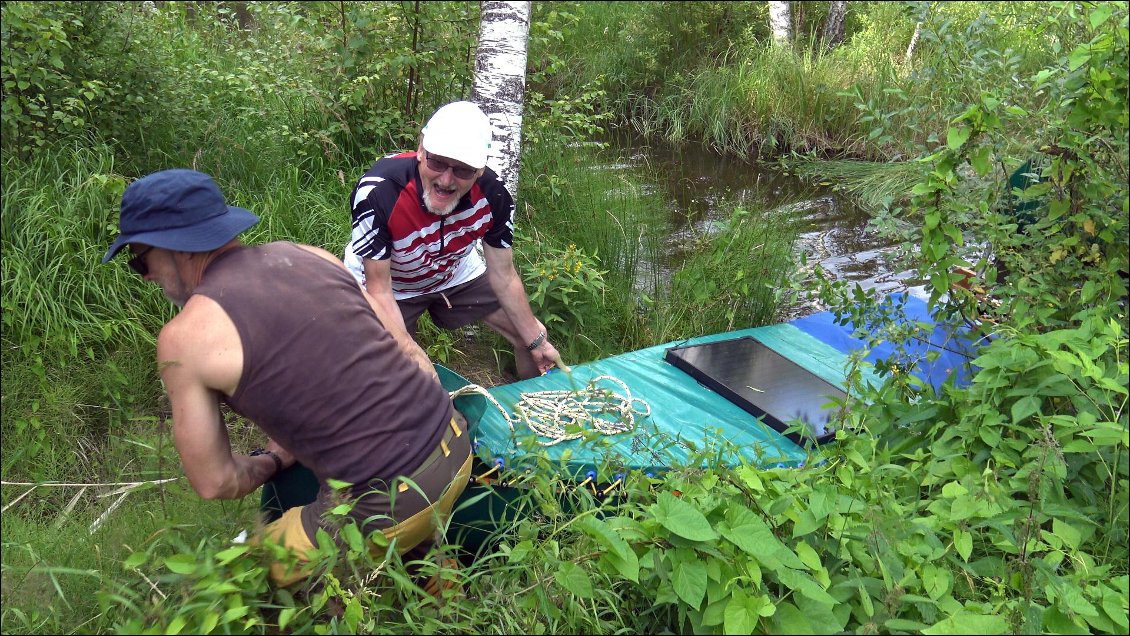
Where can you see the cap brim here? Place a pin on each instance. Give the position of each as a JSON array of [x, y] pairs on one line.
[[202, 237], [453, 150]]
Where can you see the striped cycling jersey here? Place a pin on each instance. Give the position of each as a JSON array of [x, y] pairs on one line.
[[429, 253]]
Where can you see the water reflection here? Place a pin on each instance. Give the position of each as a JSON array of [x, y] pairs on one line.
[[701, 189]]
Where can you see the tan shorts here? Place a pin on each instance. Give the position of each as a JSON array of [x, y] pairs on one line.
[[418, 529]]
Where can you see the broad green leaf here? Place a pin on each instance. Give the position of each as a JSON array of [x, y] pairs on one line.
[[226, 556], [963, 543], [521, 551], [805, 523], [789, 620], [682, 518], [1100, 14], [1114, 605], [821, 503], [965, 506], [176, 625], [991, 435], [808, 556], [571, 577], [1073, 598], [620, 554], [353, 614], [715, 613], [804, 585], [968, 623], [352, 536], [629, 567], [689, 580], [134, 560], [957, 136], [235, 613], [954, 489], [1067, 532], [285, 617], [606, 536], [1080, 56], [182, 563], [1025, 407], [751, 478], [209, 623], [753, 536], [981, 160], [741, 614], [937, 580], [1056, 622]]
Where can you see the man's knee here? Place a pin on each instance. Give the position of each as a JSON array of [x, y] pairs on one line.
[[289, 535]]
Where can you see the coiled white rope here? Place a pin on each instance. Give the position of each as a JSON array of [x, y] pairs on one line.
[[550, 413]]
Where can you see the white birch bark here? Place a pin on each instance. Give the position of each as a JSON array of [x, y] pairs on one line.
[[834, 24], [781, 22], [500, 82], [913, 43]]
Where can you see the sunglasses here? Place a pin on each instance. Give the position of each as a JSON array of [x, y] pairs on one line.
[[137, 262], [440, 166]]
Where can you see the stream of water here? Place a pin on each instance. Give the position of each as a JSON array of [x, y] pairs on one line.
[[701, 188]]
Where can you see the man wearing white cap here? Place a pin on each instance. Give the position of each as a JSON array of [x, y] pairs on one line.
[[416, 219]]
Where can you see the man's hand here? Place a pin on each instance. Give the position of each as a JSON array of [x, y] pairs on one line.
[[546, 357]]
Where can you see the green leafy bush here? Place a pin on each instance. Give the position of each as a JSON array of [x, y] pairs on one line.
[[564, 286]]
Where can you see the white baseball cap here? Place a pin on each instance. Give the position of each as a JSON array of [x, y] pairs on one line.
[[459, 131]]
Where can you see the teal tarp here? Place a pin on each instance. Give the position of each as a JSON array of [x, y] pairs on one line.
[[684, 414]]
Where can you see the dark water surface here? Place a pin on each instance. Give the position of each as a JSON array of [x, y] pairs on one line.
[[701, 188]]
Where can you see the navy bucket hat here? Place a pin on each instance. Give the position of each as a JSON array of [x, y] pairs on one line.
[[180, 210]]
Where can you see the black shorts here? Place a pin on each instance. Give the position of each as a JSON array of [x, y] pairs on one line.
[[452, 308]]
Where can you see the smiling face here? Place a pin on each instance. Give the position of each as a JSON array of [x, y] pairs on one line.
[[442, 186]]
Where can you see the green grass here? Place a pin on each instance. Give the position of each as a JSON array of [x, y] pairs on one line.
[[874, 184]]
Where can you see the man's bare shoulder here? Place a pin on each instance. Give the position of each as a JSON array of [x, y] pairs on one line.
[[191, 329]]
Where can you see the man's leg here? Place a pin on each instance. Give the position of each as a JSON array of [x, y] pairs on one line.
[[288, 532], [475, 300], [523, 361]]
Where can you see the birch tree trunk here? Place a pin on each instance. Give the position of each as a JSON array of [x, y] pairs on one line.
[[913, 43], [780, 22], [834, 24], [500, 82]]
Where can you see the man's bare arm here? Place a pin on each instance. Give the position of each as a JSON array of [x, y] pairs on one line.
[[198, 360], [511, 292]]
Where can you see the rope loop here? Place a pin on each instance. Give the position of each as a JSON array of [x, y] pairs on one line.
[[591, 409]]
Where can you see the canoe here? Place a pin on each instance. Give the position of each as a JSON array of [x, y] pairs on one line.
[[763, 396]]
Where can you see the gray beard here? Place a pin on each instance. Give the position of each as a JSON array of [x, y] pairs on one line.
[[444, 211]]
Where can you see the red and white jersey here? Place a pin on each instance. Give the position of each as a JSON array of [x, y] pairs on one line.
[[429, 253]]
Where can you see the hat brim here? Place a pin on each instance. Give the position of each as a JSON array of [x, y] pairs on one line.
[[202, 237], [452, 149]]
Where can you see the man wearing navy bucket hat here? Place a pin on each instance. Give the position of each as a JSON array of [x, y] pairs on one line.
[[285, 337]]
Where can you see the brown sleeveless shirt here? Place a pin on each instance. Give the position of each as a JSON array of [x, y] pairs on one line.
[[321, 375]]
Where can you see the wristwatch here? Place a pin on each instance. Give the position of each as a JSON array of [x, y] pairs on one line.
[[537, 342], [262, 451]]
